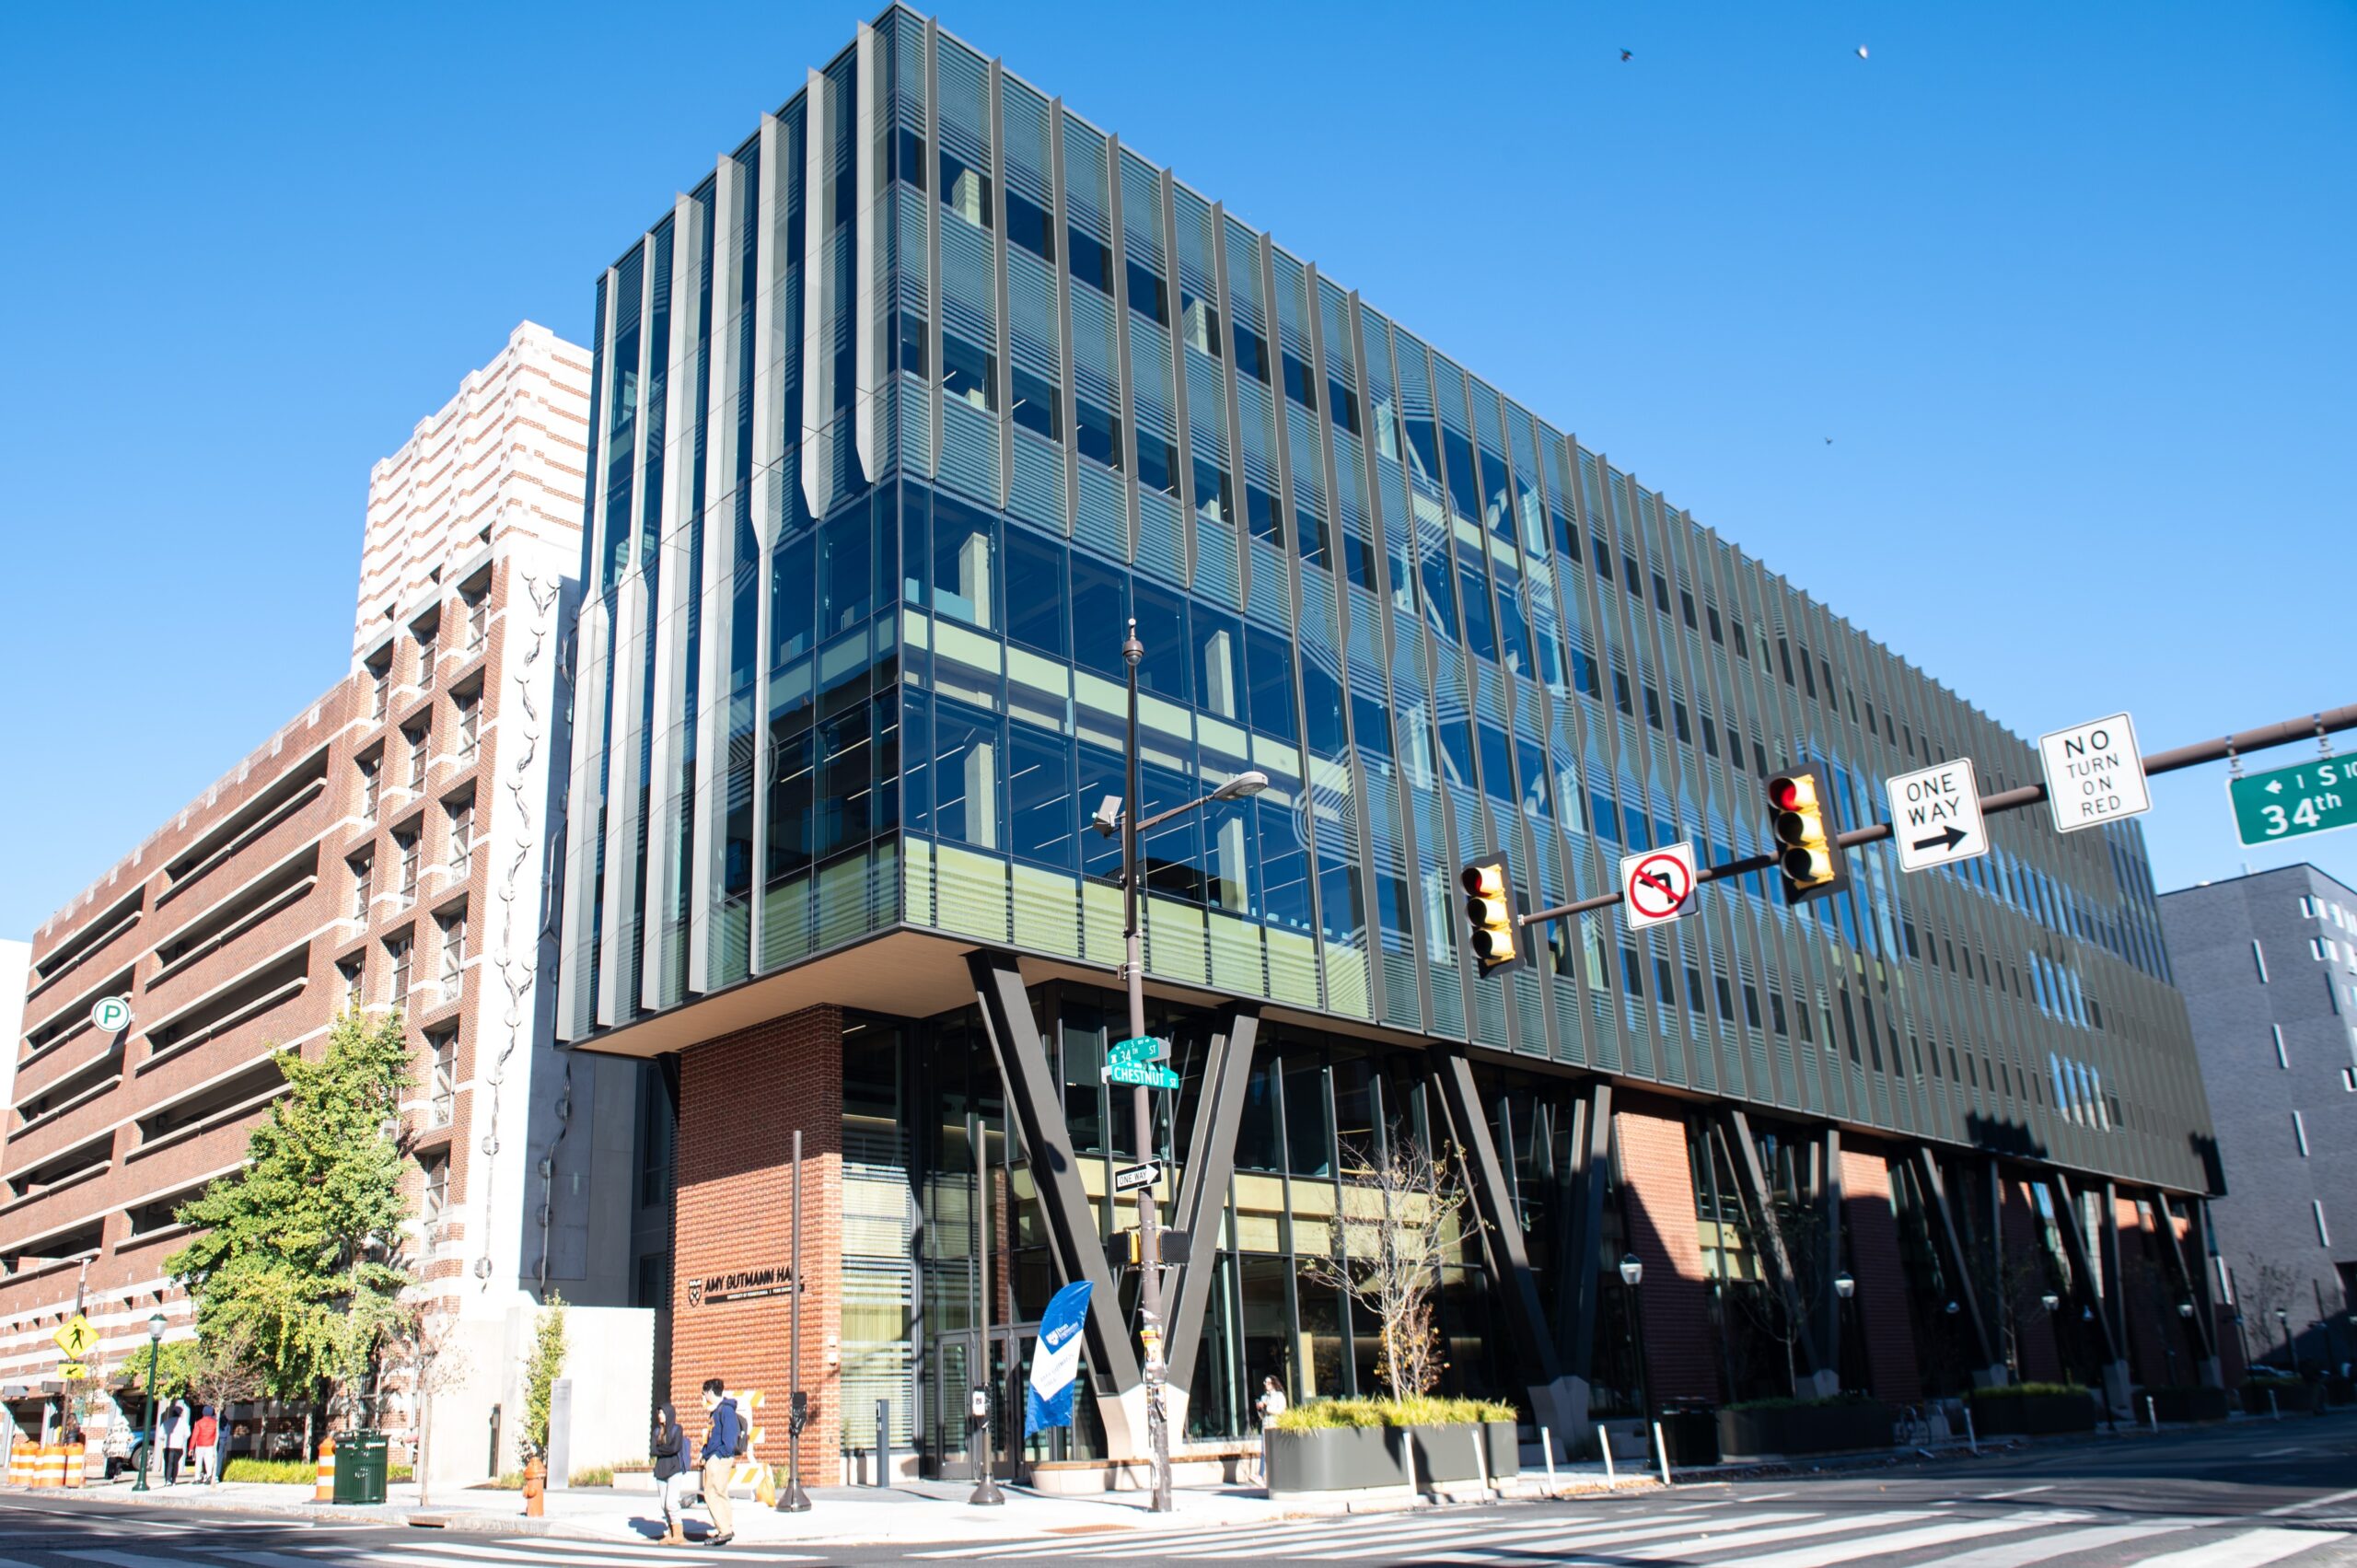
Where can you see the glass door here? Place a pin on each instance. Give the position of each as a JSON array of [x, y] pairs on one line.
[[953, 1385]]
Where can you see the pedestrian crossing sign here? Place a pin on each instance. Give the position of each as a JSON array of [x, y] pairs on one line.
[[75, 1336], [72, 1371]]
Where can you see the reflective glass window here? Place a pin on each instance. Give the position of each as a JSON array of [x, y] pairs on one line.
[[967, 796], [965, 550], [1261, 511], [1044, 818], [1157, 463], [1271, 662], [1037, 406], [1321, 700], [1149, 295], [1098, 435], [1162, 628], [1036, 597], [791, 613], [965, 191], [1028, 224], [1300, 386], [1252, 354], [969, 373], [1219, 662], [1091, 262], [847, 579], [844, 786]]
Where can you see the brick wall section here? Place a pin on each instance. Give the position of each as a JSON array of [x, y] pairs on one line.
[[741, 1098], [2041, 1359], [1882, 1282], [1681, 1347]]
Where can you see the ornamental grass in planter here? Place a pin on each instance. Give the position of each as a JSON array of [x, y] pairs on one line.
[[2032, 1410], [1841, 1423], [1349, 1444]]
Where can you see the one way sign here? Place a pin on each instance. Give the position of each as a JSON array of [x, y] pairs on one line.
[[1935, 816]]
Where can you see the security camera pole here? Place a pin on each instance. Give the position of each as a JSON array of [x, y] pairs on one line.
[[1133, 972]]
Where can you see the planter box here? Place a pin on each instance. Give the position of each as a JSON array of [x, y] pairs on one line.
[[1356, 1458], [1805, 1429], [1445, 1453], [1692, 1436], [2290, 1399], [1341, 1458], [2032, 1415], [2187, 1404]]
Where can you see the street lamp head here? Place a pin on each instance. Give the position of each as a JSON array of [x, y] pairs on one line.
[[1108, 819], [1954, 1308], [155, 1326], [1242, 784], [2049, 1301], [2185, 1309], [2282, 1316], [1632, 1269], [1132, 649], [1843, 1285]]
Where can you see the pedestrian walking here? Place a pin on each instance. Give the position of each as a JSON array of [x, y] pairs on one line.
[[176, 1424], [724, 1445], [205, 1441], [220, 1446], [674, 1476], [1268, 1406]]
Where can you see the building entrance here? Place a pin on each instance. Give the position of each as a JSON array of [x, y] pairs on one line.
[[958, 1369]]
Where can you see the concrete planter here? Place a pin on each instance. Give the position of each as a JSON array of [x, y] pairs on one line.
[[2032, 1415], [1447, 1453], [1692, 1436], [1338, 1458], [2290, 1399], [1804, 1429], [1360, 1458], [2187, 1404]]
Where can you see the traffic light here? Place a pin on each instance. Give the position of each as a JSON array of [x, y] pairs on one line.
[[1802, 802], [1489, 911]]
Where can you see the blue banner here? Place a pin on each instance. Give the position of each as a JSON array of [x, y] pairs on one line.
[[1055, 1361]]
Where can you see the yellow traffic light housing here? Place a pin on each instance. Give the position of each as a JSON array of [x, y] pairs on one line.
[[1489, 911], [1801, 803]]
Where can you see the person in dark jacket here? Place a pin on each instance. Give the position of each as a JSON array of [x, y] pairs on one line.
[[718, 1457], [674, 1477]]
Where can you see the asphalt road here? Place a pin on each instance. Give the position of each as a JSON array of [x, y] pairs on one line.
[[2242, 1497]]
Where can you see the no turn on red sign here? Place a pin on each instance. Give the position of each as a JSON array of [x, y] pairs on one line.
[[1657, 885]]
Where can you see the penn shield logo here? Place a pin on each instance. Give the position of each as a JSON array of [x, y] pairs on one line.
[[695, 1292]]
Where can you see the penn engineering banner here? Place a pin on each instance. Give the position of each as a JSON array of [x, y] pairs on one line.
[[1055, 1361]]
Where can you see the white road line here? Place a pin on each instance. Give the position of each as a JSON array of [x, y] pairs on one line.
[[2279, 1453], [1120, 1542], [1558, 1544], [1876, 1524], [2045, 1548], [1484, 1529], [2251, 1549], [2325, 1502], [2017, 1491], [616, 1556], [693, 1553], [1881, 1544]]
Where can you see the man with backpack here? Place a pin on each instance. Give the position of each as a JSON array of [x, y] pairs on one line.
[[724, 1445]]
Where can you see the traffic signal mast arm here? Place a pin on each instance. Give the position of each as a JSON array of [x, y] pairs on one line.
[[2315, 726]]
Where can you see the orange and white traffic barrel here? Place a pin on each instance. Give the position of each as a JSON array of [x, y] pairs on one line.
[[77, 1458], [53, 1465], [323, 1481]]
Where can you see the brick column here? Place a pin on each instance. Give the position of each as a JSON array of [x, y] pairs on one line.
[[2041, 1357], [1890, 1332], [741, 1099], [1680, 1344]]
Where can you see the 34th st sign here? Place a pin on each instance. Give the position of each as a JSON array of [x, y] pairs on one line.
[[1935, 816]]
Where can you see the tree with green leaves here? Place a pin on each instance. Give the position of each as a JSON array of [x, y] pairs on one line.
[[298, 1256], [541, 1370]]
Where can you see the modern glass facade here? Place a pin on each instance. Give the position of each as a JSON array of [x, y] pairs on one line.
[[906, 411]]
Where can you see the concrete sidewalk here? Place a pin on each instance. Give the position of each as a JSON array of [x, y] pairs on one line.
[[913, 1513]]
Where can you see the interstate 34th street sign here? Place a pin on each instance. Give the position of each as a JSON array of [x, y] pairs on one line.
[[2314, 796]]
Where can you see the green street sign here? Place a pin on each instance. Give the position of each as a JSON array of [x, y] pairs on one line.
[[1141, 1074], [1146, 1048], [2314, 796]]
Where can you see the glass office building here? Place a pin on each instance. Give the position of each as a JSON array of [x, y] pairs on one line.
[[902, 415]]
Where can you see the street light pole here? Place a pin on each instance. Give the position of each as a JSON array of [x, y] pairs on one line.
[[148, 1449], [1158, 1426]]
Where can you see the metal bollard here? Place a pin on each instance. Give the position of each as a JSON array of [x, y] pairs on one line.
[[1546, 1445], [883, 1442], [1972, 1438], [2273, 1411], [1604, 1446], [2152, 1414], [1661, 1446]]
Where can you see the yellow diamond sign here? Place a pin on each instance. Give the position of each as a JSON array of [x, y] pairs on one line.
[[76, 1336]]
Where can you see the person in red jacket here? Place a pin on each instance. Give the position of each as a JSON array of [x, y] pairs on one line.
[[204, 1443]]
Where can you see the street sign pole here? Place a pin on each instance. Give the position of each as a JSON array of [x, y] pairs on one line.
[[1158, 1426]]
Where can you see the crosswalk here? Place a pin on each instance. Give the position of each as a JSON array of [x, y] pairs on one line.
[[207, 1548], [1712, 1535]]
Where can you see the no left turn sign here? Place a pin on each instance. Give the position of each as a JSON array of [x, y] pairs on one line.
[[1658, 885]]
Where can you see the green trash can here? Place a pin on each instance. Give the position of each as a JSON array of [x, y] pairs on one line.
[[360, 1467]]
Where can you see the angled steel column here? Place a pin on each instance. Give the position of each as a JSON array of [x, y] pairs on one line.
[[2205, 1322], [1991, 1372], [2096, 1288], [1828, 1156], [1034, 1102], [1211, 1164], [1761, 1202], [1534, 1346], [1580, 1240]]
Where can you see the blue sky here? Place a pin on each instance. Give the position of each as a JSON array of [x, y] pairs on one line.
[[2070, 287]]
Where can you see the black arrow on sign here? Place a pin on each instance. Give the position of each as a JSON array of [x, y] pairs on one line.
[[1666, 884], [1948, 837]]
